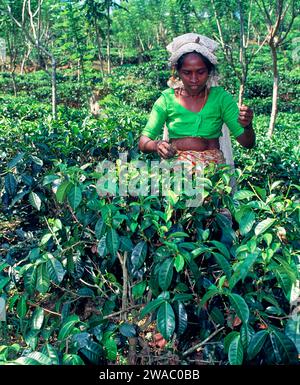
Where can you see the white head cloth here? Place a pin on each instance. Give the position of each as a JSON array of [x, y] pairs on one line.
[[191, 42]]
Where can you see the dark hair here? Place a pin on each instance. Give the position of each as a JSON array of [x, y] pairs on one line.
[[210, 66]]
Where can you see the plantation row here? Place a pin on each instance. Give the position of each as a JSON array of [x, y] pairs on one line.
[[89, 279]]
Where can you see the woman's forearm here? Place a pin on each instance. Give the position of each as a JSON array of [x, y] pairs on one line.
[[147, 145], [247, 139]]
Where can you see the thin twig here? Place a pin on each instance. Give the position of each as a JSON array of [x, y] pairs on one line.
[[197, 346], [46, 310], [122, 311]]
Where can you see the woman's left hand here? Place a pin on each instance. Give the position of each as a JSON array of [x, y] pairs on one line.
[[245, 116]]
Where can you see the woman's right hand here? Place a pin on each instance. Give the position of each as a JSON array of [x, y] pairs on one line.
[[165, 150]]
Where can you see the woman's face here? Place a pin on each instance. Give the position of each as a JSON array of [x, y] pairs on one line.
[[193, 73]]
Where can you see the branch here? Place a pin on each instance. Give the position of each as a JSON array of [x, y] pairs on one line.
[[197, 346]]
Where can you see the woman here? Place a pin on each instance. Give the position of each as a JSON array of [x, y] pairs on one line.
[[193, 109]]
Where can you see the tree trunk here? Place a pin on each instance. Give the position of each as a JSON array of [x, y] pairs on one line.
[[241, 93], [98, 38], [54, 91], [108, 39], [275, 90]]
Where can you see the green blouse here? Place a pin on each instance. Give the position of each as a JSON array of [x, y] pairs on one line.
[[219, 108]]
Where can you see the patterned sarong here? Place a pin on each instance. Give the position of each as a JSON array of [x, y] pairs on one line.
[[203, 157]]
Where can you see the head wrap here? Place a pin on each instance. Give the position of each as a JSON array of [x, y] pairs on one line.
[[191, 42]]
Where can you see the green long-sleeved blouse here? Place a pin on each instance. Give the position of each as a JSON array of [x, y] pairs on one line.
[[219, 108]]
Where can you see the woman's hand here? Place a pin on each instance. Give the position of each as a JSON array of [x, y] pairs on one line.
[[165, 150], [245, 116]]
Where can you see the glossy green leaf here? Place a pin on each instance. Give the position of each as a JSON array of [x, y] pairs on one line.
[[112, 241], [30, 276], [292, 330], [240, 307], [286, 347], [10, 184], [243, 269], [35, 200], [63, 190], [243, 194], [75, 196], [139, 254], [179, 263], [127, 330], [151, 306], [42, 278], [223, 263], [263, 226], [165, 274], [166, 320], [222, 248], [72, 359], [111, 349], [182, 319], [228, 339], [55, 270], [139, 289], [256, 343], [67, 327], [235, 352], [22, 307], [51, 352], [37, 319]]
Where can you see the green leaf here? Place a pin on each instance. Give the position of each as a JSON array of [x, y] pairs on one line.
[[112, 241], [166, 320], [182, 297], [100, 228], [4, 281], [217, 316], [292, 330], [37, 319], [286, 347], [127, 330], [22, 307], [151, 306], [62, 190], [55, 270], [93, 352], [242, 269], [235, 353], [165, 274], [182, 319], [10, 184], [30, 279], [138, 289], [228, 339], [139, 254], [67, 327], [246, 333], [35, 200], [243, 194], [75, 197], [52, 353], [34, 358], [256, 343], [263, 226], [42, 278], [12, 163], [223, 263], [179, 263], [210, 293], [222, 248], [72, 359], [111, 349], [240, 306], [246, 222]]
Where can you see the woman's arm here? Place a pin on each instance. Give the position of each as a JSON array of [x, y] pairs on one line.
[[247, 139], [163, 148]]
